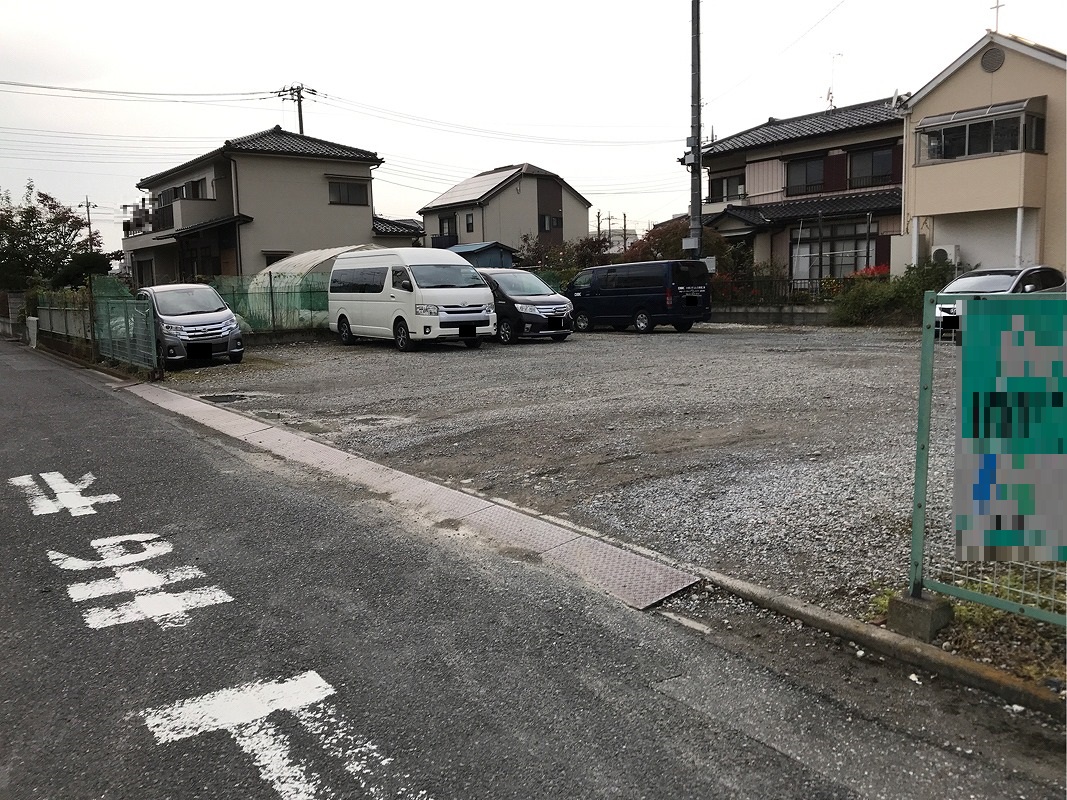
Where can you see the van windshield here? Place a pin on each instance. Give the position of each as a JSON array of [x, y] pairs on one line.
[[689, 273], [522, 284], [191, 300], [446, 276]]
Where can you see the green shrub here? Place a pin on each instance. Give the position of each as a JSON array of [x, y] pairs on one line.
[[896, 302]]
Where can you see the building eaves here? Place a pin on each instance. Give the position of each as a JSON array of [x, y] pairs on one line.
[[275, 142], [824, 123], [481, 188], [1016, 43], [883, 201], [395, 227], [208, 224]]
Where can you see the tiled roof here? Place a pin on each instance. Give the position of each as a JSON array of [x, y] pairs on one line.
[[396, 227], [841, 205], [479, 247], [277, 142], [484, 185], [779, 131]]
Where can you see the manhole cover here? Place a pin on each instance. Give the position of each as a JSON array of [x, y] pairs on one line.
[[223, 398]]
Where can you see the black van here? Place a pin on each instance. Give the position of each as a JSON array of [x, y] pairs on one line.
[[644, 295], [526, 306]]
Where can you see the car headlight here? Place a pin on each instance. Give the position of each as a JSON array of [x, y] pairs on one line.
[[489, 308], [172, 328], [426, 310], [522, 308], [231, 325], [570, 307]]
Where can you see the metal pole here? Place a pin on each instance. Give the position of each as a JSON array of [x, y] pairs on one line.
[[695, 226], [922, 447]]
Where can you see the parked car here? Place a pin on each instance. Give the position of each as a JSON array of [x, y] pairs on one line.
[[527, 306], [644, 295], [409, 294], [993, 280], [192, 321]]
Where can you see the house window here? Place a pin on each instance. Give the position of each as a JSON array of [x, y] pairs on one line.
[[348, 193], [730, 187], [548, 222], [870, 168], [845, 247], [448, 226], [1003, 128], [804, 177], [470, 223]]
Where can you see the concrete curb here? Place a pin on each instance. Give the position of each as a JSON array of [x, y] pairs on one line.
[[910, 651]]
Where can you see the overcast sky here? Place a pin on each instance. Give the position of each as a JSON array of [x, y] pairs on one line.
[[598, 93]]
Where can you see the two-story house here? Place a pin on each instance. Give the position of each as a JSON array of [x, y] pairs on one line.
[[814, 196], [987, 157], [503, 205], [251, 202]]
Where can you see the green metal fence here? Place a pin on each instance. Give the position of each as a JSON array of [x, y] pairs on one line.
[[1036, 589], [270, 302], [123, 328]]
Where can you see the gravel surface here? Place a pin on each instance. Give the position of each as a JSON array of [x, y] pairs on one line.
[[780, 455]]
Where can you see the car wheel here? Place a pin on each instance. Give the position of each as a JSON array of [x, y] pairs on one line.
[[560, 337], [643, 322], [682, 327], [402, 337], [582, 322], [345, 331], [235, 358], [505, 332], [161, 359], [472, 344]]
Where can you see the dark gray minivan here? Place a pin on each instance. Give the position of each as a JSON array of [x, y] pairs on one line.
[[643, 294]]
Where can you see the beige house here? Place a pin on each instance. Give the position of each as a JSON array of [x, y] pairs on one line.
[[986, 158], [814, 196], [504, 204], [254, 201]]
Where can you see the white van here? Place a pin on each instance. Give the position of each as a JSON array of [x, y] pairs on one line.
[[409, 294]]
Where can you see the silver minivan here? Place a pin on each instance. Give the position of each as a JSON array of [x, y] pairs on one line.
[[192, 321]]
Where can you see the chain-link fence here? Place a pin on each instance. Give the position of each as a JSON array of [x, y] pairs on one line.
[[123, 328], [270, 302], [1035, 588]]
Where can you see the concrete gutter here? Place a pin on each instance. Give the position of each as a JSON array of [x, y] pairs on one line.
[[911, 651]]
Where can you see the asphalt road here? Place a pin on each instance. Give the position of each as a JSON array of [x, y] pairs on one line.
[[186, 617]]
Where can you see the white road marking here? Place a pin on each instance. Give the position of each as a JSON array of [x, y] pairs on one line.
[[68, 495], [168, 609], [227, 708], [130, 579], [113, 554], [269, 749], [243, 710]]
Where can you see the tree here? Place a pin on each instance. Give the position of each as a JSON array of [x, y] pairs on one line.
[[664, 241], [76, 272], [38, 238]]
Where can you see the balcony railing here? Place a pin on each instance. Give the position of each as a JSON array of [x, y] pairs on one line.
[[443, 241], [803, 188]]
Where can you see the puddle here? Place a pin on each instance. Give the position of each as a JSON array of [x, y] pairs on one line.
[[224, 398]]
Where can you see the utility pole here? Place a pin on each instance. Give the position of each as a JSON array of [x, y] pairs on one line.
[[296, 92], [624, 231], [695, 227], [88, 219], [598, 223]]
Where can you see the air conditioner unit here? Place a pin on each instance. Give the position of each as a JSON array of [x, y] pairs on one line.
[[945, 254]]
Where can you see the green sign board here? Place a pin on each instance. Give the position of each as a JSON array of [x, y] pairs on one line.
[[1010, 499]]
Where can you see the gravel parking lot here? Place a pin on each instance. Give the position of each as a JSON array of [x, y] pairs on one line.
[[780, 455]]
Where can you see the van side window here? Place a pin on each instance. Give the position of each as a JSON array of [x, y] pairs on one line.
[[640, 276], [583, 280], [689, 273], [609, 279], [359, 280], [399, 276], [343, 281]]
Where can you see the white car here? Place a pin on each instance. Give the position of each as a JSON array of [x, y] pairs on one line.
[[993, 280]]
